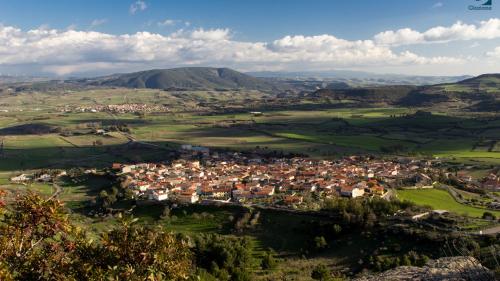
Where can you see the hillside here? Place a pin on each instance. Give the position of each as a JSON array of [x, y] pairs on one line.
[[481, 93], [381, 94], [358, 78], [190, 78]]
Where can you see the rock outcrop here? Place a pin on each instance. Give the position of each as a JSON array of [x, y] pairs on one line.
[[444, 269]]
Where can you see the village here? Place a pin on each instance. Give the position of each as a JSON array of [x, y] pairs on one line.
[[116, 108], [201, 176]]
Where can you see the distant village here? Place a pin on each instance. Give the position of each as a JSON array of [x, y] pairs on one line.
[[206, 177], [117, 108]]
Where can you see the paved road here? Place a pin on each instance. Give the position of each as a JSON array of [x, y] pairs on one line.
[[491, 230]]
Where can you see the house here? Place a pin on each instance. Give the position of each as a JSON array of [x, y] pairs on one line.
[[377, 190], [351, 191], [21, 178], [492, 181], [159, 195], [142, 186], [422, 180], [44, 178], [127, 169], [189, 197]]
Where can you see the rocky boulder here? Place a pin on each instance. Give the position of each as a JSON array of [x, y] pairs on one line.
[[444, 269]]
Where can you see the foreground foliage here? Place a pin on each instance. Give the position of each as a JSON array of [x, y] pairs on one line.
[[37, 242]]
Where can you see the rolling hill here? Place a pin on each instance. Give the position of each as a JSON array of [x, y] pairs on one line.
[[189, 78], [484, 82], [481, 93]]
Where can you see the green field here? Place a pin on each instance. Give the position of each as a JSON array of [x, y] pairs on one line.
[[221, 119], [440, 200]]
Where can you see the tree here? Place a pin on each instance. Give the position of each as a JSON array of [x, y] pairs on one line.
[[134, 251], [37, 242], [489, 216], [221, 254], [34, 233]]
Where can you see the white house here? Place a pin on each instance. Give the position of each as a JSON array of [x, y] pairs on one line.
[[44, 178], [352, 191], [20, 178], [159, 195]]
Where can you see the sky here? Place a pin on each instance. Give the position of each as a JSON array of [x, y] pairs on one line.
[[91, 37]]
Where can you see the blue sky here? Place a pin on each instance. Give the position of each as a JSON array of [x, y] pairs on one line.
[[251, 20], [285, 33]]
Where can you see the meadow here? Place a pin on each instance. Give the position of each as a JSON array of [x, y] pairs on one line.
[[439, 199], [196, 117]]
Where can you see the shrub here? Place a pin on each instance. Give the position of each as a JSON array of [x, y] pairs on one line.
[[320, 272]]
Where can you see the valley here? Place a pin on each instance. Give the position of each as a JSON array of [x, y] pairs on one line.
[[86, 127]]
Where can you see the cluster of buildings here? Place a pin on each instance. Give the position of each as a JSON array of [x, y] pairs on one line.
[[204, 176], [118, 108], [490, 182], [36, 177]]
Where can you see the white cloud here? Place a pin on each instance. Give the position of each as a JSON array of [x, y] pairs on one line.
[[167, 22], [172, 22], [98, 22], [66, 52], [211, 34], [137, 6], [495, 53], [488, 29], [438, 5]]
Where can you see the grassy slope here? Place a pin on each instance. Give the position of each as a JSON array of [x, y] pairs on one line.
[[440, 200]]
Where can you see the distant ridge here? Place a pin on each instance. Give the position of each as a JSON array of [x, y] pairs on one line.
[[359, 78], [189, 78], [483, 80], [481, 93]]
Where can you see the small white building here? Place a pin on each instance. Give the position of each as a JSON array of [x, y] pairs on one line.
[[159, 195], [352, 191], [44, 178], [127, 169], [20, 178]]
